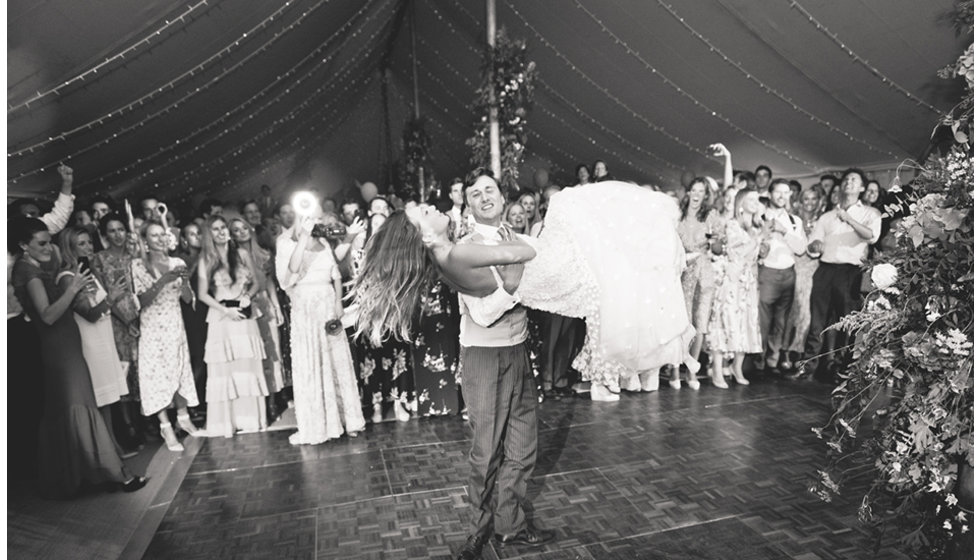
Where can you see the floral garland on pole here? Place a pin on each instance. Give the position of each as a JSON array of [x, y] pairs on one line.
[[508, 83], [417, 154], [912, 366]]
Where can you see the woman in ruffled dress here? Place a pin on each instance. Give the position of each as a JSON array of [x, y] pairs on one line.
[[734, 324], [266, 301], [226, 284]]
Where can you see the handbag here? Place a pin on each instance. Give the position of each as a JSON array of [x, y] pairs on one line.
[[246, 311]]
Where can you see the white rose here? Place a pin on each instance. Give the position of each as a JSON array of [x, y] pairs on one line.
[[884, 275]]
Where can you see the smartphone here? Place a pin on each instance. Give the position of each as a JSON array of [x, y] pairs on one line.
[[83, 264]]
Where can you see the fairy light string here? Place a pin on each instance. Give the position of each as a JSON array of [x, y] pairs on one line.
[[169, 86], [128, 51], [578, 110], [769, 89], [653, 70], [184, 141], [554, 93], [861, 60], [605, 91], [337, 79]]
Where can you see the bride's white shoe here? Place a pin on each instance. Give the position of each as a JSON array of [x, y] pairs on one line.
[[602, 393]]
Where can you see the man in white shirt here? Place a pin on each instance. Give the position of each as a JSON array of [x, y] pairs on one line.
[[841, 237], [777, 272], [501, 399]]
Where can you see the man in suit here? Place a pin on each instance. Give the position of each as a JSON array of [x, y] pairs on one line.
[[500, 394]]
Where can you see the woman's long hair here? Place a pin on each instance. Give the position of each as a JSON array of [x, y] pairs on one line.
[[256, 253], [66, 243], [395, 274], [211, 257], [706, 204]]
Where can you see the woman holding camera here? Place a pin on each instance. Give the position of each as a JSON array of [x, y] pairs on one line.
[[324, 384], [165, 376], [226, 283]]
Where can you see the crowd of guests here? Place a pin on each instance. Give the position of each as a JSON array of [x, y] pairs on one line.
[[163, 321]]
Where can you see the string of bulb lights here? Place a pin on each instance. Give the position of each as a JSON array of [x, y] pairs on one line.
[[863, 61], [769, 89], [128, 51], [666, 80], [169, 86], [357, 61], [553, 92], [185, 140], [578, 110]]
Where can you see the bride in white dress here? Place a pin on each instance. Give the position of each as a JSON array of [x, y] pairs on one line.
[[608, 252]]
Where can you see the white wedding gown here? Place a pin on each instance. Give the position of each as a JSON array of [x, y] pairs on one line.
[[610, 253]]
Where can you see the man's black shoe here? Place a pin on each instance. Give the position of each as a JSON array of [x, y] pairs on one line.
[[529, 536], [473, 548]]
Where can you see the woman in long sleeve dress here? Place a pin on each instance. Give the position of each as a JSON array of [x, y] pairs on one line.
[[75, 447], [324, 384], [734, 324]]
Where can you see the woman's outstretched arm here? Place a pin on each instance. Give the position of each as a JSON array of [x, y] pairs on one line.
[[472, 255]]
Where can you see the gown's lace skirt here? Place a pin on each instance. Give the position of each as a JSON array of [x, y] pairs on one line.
[[324, 383], [610, 253]]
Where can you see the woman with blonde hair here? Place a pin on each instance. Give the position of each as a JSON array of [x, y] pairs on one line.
[[91, 312], [226, 284]]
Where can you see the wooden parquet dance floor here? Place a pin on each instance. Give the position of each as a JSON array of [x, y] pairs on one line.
[[714, 474]]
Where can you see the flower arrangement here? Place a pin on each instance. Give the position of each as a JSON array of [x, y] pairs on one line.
[[416, 154], [508, 84], [912, 368]]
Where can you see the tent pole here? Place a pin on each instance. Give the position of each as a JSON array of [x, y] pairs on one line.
[[415, 91], [494, 125], [387, 124]]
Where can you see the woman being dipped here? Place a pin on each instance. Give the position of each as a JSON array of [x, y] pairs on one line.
[[234, 351], [324, 384], [582, 266]]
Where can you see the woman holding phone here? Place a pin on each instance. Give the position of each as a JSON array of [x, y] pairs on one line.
[[165, 375]]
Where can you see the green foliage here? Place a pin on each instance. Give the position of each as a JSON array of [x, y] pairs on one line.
[[416, 154], [508, 84], [912, 366]]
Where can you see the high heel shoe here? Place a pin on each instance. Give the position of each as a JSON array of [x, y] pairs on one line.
[[184, 423], [720, 383], [401, 414], [170, 438], [693, 382], [134, 484], [741, 380], [602, 393], [675, 383]]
